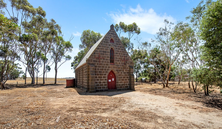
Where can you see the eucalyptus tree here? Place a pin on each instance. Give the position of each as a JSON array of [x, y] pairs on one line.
[[48, 39], [38, 65], [21, 10], [59, 53], [127, 44], [136, 56], [122, 27], [88, 39], [30, 19], [31, 40], [131, 30], [190, 46], [16, 72], [198, 12], [206, 18], [48, 69], [119, 28], [78, 58], [210, 31], [8, 47], [169, 48], [159, 62], [206, 77], [181, 71]]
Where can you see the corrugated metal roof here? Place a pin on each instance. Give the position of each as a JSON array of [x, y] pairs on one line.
[[91, 50]]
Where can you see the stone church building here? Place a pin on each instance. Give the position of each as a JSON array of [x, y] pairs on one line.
[[106, 66]]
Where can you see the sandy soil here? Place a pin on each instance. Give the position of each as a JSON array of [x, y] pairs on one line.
[[54, 106]]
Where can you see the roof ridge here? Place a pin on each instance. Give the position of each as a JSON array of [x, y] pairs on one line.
[[90, 51]]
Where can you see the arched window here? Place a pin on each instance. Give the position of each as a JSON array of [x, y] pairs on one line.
[[111, 56], [111, 40]]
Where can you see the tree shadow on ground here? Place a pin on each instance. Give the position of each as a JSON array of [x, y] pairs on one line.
[[147, 83], [102, 93], [213, 100]]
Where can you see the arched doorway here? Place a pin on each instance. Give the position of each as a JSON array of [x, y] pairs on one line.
[[111, 80]]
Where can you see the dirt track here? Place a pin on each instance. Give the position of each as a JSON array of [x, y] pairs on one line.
[[59, 107]]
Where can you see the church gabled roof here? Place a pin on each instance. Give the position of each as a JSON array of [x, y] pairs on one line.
[[91, 50]]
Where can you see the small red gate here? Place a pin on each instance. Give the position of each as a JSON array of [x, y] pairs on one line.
[[70, 82]]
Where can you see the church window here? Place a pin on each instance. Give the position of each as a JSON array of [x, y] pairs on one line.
[[111, 40], [111, 56]]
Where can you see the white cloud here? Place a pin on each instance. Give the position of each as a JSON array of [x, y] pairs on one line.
[[187, 1], [77, 34], [104, 19], [123, 6], [137, 10], [75, 51], [148, 20]]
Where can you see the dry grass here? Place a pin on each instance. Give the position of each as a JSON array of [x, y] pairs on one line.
[[58, 107], [40, 81], [54, 106], [183, 92]]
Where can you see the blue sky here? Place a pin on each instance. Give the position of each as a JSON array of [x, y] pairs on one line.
[[76, 16]]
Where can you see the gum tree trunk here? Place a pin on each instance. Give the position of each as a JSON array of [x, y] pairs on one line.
[[168, 75], [33, 76], [25, 74], [55, 73], [179, 80], [43, 73]]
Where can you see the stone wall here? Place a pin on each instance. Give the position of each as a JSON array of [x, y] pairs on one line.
[[103, 67], [82, 76], [93, 75]]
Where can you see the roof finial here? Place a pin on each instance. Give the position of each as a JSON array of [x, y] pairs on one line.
[[112, 27]]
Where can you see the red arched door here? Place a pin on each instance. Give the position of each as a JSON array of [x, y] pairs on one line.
[[111, 80]]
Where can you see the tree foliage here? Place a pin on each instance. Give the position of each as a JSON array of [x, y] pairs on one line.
[[48, 39], [138, 57], [35, 37], [205, 76], [190, 47], [211, 32], [59, 53], [88, 39], [30, 43], [127, 44], [8, 47], [130, 29], [198, 12], [170, 49], [157, 59]]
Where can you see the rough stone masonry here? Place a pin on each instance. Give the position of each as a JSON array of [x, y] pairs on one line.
[[106, 66]]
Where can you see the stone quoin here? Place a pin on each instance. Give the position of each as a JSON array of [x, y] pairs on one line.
[[106, 66]]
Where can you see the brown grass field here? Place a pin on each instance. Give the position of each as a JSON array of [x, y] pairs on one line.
[[21, 81], [149, 106]]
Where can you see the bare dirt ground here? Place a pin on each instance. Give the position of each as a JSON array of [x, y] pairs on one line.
[[150, 106]]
